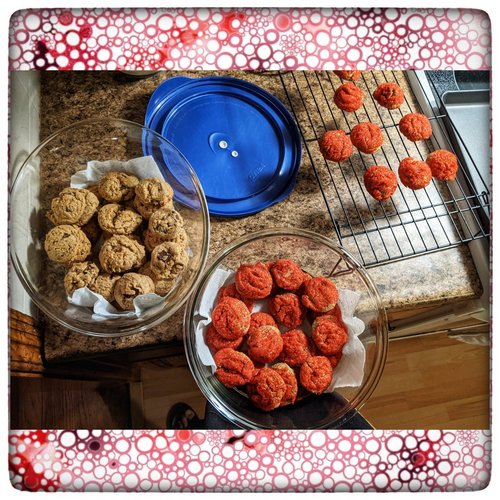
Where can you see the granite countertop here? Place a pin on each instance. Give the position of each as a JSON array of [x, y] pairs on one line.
[[433, 279]]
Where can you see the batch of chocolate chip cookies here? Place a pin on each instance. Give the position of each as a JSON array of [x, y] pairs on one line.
[[121, 238]]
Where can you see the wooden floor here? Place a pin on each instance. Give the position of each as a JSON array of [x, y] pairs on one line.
[[162, 388], [47, 403], [431, 382]]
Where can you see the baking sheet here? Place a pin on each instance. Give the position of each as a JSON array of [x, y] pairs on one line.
[[470, 115]]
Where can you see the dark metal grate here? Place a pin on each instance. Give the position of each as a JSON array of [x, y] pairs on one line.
[[411, 222]]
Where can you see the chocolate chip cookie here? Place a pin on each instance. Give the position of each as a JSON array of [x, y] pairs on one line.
[[118, 186], [104, 285], [92, 230], [120, 254], [162, 286], [94, 189], [73, 206], [152, 194], [168, 260], [116, 219], [152, 240], [66, 244], [131, 285], [80, 275], [165, 223]]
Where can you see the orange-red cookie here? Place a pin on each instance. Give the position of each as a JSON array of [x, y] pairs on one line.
[[443, 165], [230, 291], [264, 344], [367, 137], [316, 374], [335, 145], [234, 368], [348, 97], [348, 75], [380, 182], [287, 274], [296, 347], [216, 341], [291, 385], [389, 95], [415, 127], [287, 309], [335, 312], [329, 335], [231, 318], [414, 174], [266, 389], [254, 281], [320, 294], [259, 319]]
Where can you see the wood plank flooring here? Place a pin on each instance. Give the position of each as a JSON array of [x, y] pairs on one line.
[[162, 388], [431, 382], [45, 403], [434, 382]]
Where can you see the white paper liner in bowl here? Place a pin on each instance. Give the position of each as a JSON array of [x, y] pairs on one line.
[[142, 167], [350, 369]]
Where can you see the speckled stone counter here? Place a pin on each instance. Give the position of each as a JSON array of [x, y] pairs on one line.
[[429, 280]]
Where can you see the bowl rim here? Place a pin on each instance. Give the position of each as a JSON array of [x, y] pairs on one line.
[[382, 327], [160, 316]]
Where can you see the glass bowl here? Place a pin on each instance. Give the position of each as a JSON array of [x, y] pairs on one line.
[[48, 169], [318, 256]]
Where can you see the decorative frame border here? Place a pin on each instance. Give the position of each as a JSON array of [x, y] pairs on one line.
[[255, 39], [252, 461]]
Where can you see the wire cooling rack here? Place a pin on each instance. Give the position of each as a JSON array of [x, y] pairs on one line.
[[410, 223]]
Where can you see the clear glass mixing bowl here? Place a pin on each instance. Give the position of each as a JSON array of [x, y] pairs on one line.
[[48, 169], [318, 256]]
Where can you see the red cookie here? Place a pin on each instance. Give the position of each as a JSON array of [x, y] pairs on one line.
[[216, 341], [266, 389], [381, 182], [415, 127], [389, 95], [230, 291], [233, 367], [296, 348], [287, 274], [291, 386], [367, 137], [348, 97], [254, 281], [349, 75], [316, 374], [443, 164], [265, 344], [287, 309], [414, 174], [231, 318], [320, 294], [335, 145], [335, 312], [329, 335], [259, 319]]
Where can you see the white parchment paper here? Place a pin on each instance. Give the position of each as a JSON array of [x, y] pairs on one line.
[[350, 369], [142, 167]]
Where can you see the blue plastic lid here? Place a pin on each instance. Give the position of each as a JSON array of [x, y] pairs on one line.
[[241, 141]]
